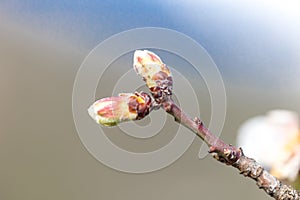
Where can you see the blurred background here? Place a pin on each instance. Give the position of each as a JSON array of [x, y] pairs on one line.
[[255, 45]]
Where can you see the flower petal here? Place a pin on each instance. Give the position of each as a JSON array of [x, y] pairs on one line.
[[274, 141]]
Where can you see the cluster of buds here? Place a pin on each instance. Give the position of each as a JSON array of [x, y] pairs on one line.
[[128, 106], [274, 141]]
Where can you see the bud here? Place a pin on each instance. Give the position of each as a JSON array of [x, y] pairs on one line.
[[274, 141], [154, 72], [127, 106]]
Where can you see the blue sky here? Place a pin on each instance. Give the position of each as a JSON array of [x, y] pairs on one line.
[[249, 40]]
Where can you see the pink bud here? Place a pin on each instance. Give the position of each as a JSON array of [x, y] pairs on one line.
[[150, 67], [127, 106]]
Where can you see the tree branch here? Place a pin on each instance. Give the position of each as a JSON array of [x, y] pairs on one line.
[[113, 110], [233, 156]]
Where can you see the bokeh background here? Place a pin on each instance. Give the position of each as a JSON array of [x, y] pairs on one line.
[[255, 45]]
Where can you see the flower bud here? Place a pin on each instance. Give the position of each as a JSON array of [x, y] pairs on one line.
[[154, 72], [127, 106]]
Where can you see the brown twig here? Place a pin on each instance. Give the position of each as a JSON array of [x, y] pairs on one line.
[[159, 81], [233, 156]]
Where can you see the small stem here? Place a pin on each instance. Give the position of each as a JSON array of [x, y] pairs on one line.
[[228, 152], [233, 156]]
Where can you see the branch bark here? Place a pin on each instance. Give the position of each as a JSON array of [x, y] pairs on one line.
[[230, 155]]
